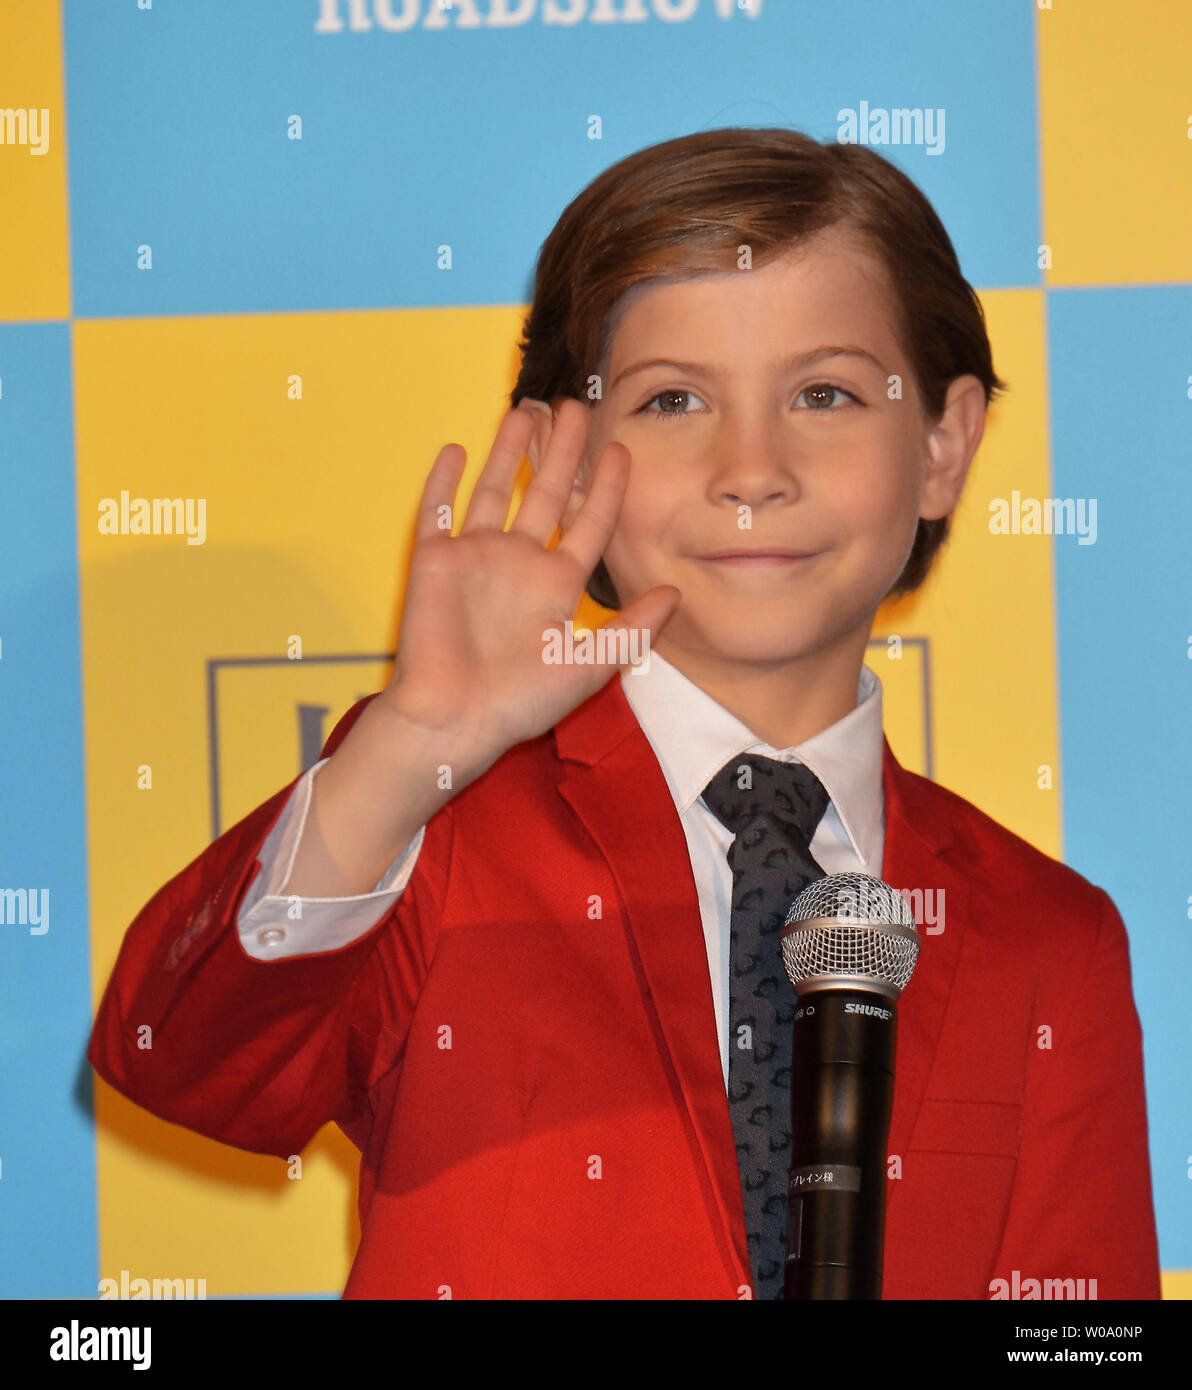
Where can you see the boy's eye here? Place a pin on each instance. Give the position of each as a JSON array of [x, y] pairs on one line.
[[822, 395], [820, 389], [667, 396]]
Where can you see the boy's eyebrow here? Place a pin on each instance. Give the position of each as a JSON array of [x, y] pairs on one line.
[[785, 364]]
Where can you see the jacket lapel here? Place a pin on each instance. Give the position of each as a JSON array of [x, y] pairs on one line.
[[617, 789], [921, 853]]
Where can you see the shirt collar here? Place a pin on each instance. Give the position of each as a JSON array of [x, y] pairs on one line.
[[693, 737]]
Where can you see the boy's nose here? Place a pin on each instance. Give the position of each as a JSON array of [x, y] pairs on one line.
[[754, 472]]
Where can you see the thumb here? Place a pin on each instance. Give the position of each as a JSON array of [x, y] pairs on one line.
[[641, 621]]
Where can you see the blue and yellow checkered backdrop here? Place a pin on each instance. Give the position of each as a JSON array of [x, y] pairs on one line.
[[222, 277]]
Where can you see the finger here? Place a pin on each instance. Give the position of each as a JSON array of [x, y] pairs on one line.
[[439, 491], [546, 498], [489, 504], [588, 535], [648, 614]]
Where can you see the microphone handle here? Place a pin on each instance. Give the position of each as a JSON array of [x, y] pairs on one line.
[[842, 1086]]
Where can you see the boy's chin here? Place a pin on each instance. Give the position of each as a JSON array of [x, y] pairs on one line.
[[759, 644]]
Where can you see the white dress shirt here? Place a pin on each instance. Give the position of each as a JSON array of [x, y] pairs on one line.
[[693, 737]]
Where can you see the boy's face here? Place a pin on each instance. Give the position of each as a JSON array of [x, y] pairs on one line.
[[743, 454]]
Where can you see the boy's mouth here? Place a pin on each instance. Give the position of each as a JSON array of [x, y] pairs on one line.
[[774, 556]]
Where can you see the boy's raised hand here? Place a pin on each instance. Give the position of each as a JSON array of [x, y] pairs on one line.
[[470, 678], [471, 653]]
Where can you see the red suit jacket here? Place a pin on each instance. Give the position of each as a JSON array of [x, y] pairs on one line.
[[524, 1047]]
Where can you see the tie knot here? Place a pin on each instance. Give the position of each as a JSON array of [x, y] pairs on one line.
[[750, 787]]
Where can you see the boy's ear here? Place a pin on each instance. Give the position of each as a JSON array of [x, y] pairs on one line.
[[951, 444], [543, 419], [536, 450]]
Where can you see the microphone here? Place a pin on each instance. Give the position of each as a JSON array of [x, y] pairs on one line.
[[849, 947]]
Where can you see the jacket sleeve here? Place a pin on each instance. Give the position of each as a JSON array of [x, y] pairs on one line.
[[261, 1054], [1082, 1205]]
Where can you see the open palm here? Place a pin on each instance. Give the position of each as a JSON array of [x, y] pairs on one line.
[[470, 659]]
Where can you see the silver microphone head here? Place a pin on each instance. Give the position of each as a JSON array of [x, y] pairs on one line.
[[850, 931]]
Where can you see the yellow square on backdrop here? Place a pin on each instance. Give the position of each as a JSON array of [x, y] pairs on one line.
[[988, 612], [1115, 131], [307, 437], [34, 242]]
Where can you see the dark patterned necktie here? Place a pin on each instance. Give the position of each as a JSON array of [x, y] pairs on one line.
[[772, 808]]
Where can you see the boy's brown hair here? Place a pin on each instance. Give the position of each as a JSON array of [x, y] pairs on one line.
[[685, 206]]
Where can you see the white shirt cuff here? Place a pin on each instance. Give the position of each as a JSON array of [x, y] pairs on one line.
[[273, 926]]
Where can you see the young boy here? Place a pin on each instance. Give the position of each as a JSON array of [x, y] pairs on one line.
[[522, 978]]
